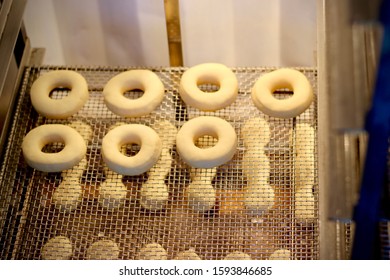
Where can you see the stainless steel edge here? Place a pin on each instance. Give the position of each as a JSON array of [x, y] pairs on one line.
[[9, 66]]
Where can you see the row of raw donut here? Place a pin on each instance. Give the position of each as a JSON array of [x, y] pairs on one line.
[[153, 91], [61, 248], [147, 138]]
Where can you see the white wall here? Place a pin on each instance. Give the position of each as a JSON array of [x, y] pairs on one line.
[[132, 32]]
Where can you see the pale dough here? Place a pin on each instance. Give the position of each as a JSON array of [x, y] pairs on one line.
[[141, 79], [256, 132], [152, 251], [208, 73], [187, 255], [144, 136], [304, 170], [72, 153], [103, 250], [201, 195], [68, 196], [64, 107], [57, 248], [237, 255], [304, 203], [154, 192], [262, 93], [281, 254], [220, 153], [259, 196], [112, 193]]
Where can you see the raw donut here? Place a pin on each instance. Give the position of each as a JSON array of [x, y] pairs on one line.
[[237, 255], [304, 171], [213, 73], [304, 203], [281, 254], [256, 132], [188, 255], [200, 193], [154, 193], [259, 198], [72, 153], [304, 144], [152, 251], [214, 156], [57, 248], [259, 195], [112, 192], [68, 196], [304, 137], [144, 136], [103, 250], [282, 108], [64, 107], [145, 80]]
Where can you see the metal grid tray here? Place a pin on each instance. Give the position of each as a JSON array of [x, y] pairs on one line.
[[29, 218]]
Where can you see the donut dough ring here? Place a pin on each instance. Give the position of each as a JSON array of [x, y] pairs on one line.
[[213, 73], [64, 107], [57, 248], [72, 153], [222, 152], [144, 136], [282, 108], [103, 250], [145, 80], [152, 251]]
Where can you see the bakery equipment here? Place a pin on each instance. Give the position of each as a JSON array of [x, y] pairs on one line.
[[29, 218]]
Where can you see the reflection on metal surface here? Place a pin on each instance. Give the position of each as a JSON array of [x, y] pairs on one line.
[[348, 44], [344, 238]]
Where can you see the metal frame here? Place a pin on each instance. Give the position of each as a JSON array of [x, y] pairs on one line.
[[348, 43], [14, 52]]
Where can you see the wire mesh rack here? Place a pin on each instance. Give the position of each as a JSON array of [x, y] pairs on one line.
[[73, 215]]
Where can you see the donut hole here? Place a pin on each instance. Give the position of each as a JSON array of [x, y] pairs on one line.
[[130, 149], [133, 93], [209, 87], [205, 141], [53, 147], [282, 93], [59, 92]]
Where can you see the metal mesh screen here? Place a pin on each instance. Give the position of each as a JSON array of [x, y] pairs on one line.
[[87, 220]]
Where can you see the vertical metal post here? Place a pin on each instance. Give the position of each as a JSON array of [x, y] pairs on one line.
[[172, 17]]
